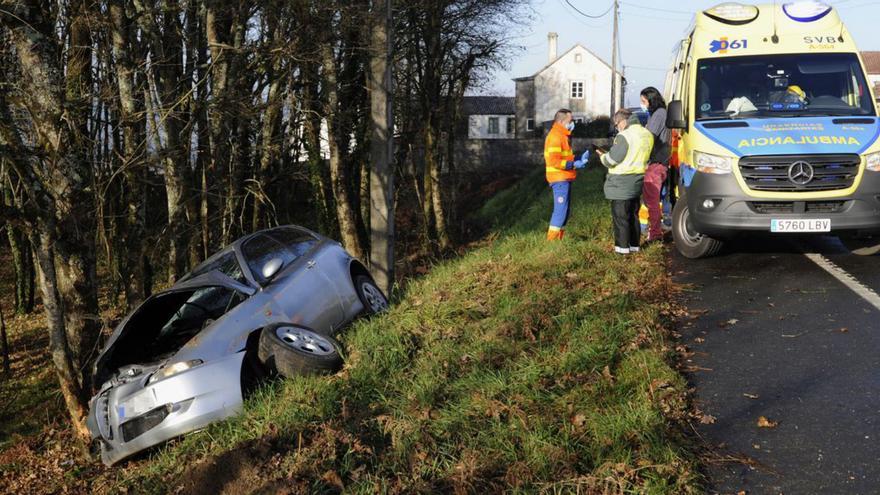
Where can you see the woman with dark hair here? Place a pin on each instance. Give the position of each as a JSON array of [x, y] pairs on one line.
[[655, 175]]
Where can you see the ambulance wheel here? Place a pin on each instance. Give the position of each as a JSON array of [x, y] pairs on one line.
[[689, 242], [862, 246]]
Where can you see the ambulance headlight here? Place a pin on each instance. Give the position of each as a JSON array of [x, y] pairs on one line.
[[712, 164], [872, 161]]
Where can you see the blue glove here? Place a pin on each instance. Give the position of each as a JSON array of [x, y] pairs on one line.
[[579, 164], [586, 156]]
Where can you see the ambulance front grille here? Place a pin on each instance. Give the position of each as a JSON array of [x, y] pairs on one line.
[[771, 173]]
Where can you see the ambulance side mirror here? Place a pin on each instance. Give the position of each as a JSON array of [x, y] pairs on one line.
[[675, 115]]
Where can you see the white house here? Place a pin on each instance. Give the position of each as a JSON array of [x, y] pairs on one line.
[[578, 80], [490, 117]]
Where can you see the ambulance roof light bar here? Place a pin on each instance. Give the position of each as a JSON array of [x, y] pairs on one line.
[[806, 10], [733, 13]]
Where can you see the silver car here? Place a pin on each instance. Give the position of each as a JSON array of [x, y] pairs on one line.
[[184, 358]]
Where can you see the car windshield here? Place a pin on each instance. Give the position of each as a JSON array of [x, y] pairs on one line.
[[797, 85]]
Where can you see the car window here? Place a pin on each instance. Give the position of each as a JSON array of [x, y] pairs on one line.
[[258, 250], [297, 241], [225, 262]]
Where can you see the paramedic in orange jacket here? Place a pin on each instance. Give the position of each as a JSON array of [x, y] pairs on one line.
[[561, 170]]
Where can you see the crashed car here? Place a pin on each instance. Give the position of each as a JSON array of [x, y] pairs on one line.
[[270, 302]]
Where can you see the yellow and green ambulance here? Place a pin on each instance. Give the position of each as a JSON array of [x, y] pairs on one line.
[[775, 128]]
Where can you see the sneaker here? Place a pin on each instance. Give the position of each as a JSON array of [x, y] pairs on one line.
[[633, 249], [620, 250]]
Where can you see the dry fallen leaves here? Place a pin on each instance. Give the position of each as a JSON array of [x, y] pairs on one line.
[[763, 422], [606, 372], [707, 419]]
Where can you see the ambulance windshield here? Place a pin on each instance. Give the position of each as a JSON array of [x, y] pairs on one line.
[[794, 85]]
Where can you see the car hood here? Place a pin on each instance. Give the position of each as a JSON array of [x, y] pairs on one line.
[[210, 279], [793, 136]]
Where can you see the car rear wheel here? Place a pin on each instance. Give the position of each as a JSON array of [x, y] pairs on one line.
[[371, 296], [862, 246], [689, 242], [292, 350]]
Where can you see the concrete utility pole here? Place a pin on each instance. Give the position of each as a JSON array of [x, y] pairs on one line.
[[382, 149], [614, 64]]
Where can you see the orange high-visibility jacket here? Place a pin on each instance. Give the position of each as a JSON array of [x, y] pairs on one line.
[[557, 152]]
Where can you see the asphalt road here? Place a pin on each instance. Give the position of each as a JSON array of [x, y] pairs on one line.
[[774, 334]]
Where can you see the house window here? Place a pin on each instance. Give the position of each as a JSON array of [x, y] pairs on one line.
[[493, 125], [530, 124], [577, 89], [578, 58], [511, 125]]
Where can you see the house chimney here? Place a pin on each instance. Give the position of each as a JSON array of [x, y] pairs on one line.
[[552, 40]]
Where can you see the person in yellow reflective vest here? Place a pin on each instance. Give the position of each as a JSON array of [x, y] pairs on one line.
[[626, 162], [561, 169]]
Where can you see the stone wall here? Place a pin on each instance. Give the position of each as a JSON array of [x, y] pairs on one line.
[[516, 155]]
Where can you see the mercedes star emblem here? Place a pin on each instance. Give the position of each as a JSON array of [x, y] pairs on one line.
[[800, 173]]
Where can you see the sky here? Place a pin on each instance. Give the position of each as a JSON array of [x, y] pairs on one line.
[[648, 32]]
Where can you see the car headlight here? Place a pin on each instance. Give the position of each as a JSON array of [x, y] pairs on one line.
[[872, 161], [173, 369], [712, 164]]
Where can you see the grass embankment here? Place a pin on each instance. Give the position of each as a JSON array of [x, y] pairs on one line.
[[522, 366]]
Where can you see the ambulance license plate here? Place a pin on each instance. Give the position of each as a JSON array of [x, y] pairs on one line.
[[813, 225]]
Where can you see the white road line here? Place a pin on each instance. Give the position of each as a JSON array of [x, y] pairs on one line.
[[846, 279]]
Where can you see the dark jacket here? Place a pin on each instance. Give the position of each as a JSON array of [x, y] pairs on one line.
[[662, 136]]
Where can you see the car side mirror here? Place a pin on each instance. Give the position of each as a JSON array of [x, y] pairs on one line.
[[675, 115], [271, 268]]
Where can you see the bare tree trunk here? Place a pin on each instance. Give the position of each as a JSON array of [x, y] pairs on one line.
[[195, 55], [133, 225], [68, 377], [438, 203], [62, 192], [22, 260], [270, 132], [382, 152], [4, 340], [322, 196], [344, 211]]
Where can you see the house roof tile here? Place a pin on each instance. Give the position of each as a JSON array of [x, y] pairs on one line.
[[489, 105], [872, 62]]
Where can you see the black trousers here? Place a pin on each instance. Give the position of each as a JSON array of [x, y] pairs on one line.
[[625, 215]]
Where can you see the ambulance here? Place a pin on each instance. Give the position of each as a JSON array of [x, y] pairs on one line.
[[775, 129]]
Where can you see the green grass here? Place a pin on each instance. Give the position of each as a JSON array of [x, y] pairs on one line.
[[522, 366]]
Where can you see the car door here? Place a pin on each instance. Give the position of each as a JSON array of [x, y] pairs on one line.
[[298, 288]]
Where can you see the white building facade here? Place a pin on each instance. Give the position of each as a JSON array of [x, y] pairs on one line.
[[578, 80], [490, 117]]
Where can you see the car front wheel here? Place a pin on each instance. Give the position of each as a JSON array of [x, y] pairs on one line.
[[371, 296], [292, 350], [689, 242]]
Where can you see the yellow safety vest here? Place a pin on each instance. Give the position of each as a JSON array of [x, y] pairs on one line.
[[639, 142]]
